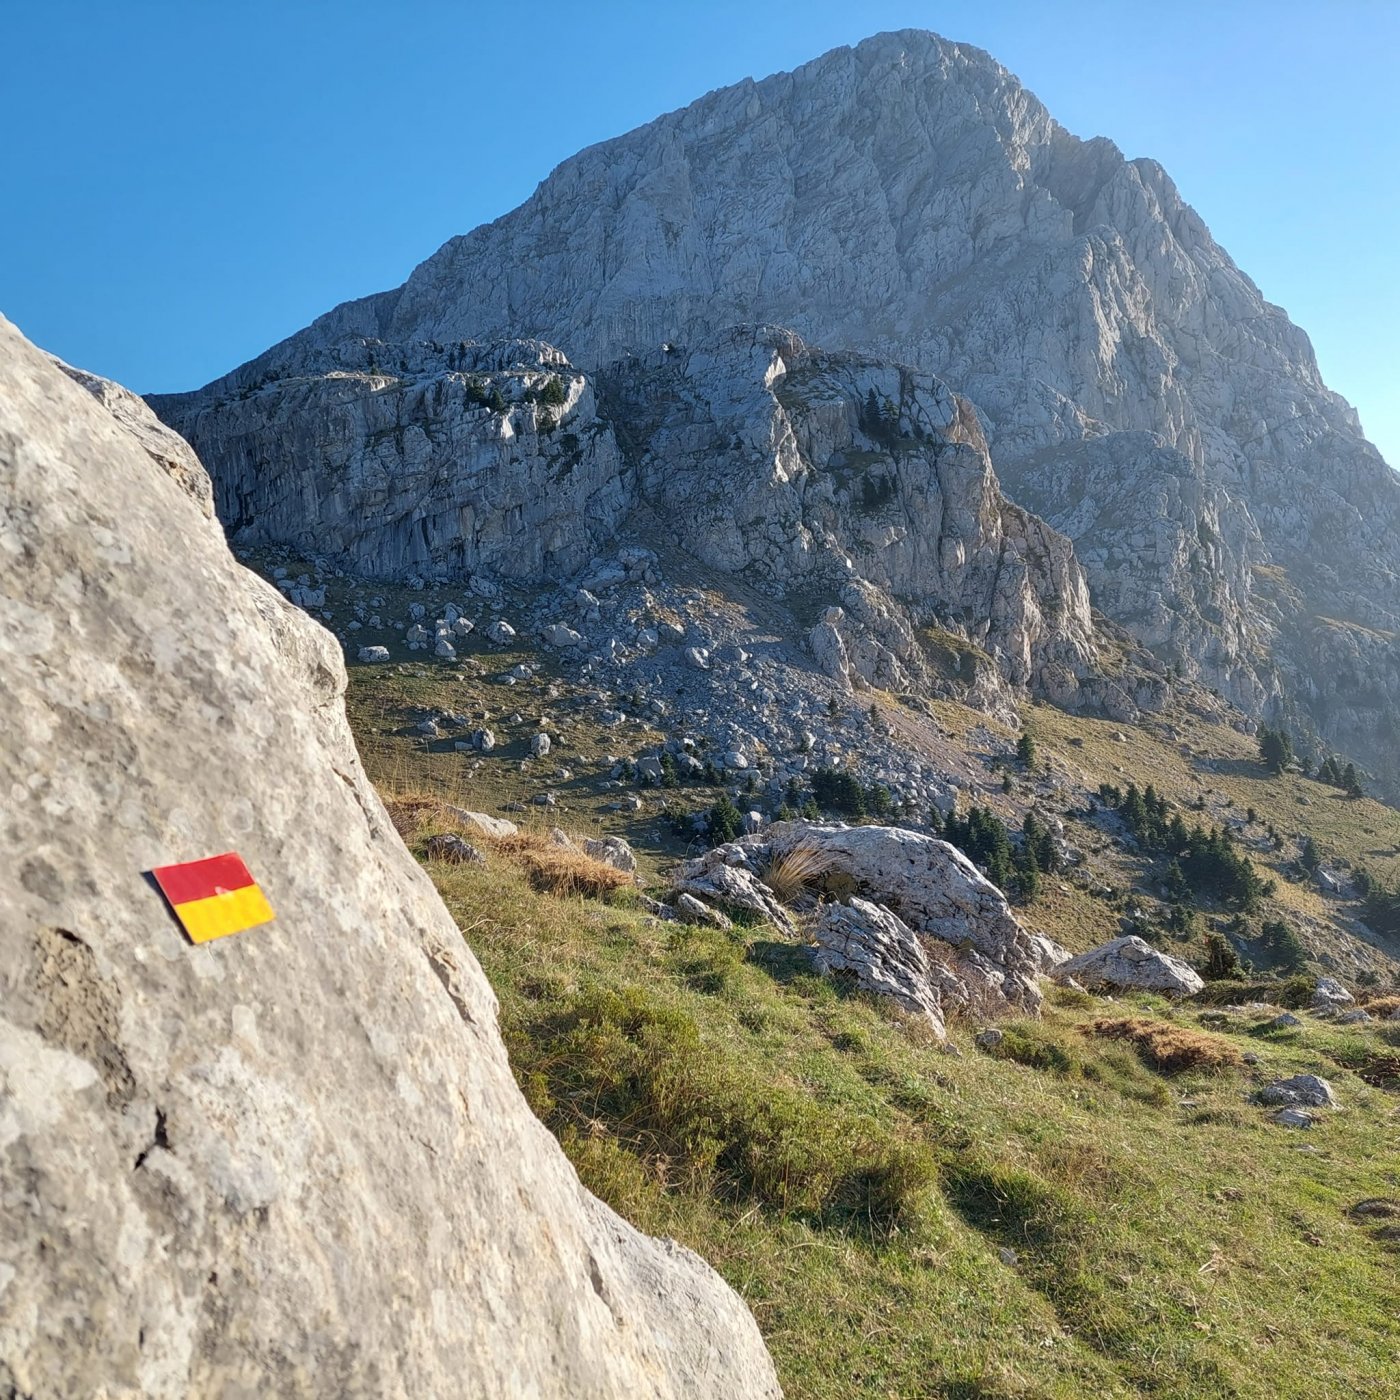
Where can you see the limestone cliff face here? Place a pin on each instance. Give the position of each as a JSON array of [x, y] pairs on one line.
[[416, 459], [855, 479], [908, 198], [293, 1161], [860, 483]]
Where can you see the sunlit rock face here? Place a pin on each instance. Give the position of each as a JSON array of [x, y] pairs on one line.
[[293, 1161], [908, 198]]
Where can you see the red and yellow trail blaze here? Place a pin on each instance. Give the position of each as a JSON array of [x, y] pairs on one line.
[[215, 897]]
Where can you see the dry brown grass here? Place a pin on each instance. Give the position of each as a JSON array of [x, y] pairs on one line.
[[1382, 1007], [560, 870], [1167, 1047], [552, 868], [411, 813], [793, 875]]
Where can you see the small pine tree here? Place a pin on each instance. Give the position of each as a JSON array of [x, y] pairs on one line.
[[1275, 748], [1221, 959], [1282, 946], [1351, 782], [1028, 873], [726, 821], [1177, 888], [1025, 751]]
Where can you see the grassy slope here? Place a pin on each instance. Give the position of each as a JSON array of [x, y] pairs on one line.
[[857, 1184]]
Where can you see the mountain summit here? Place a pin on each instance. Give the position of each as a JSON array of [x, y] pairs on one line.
[[907, 198]]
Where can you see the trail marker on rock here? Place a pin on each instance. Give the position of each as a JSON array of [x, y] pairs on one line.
[[215, 897]]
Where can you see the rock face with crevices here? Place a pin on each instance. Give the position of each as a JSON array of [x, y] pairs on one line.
[[292, 1161], [908, 198], [881, 952]]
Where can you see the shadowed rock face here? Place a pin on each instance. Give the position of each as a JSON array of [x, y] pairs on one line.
[[293, 1161], [908, 198]]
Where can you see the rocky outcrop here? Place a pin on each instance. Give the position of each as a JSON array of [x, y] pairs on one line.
[[293, 1161], [881, 952], [909, 198], [416, 459], [937, 891], [1130, 964], [863, 482], [778, 466]]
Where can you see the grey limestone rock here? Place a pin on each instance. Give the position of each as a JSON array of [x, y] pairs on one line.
[[881, 952], [1307, 1089], [938, 892], [1330, 995], [291, 1161], [1130, 963]]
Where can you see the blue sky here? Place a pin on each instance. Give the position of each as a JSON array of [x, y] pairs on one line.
[[187, 181]]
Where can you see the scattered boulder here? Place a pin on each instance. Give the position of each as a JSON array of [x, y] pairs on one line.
[[501, 632], [881, 952], [1130, 964], [613, 851], [1294, 1118], [373, 654], [989, 1039], [558, 634], [449, 847], [690, 910], [540, 745], [1330, 995], [1284, 1021], [1309, 1090], [497, 828]]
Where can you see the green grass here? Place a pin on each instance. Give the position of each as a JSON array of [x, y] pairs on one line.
[[857, 1185]]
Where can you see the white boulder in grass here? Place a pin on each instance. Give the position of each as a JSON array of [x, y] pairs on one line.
[[1130, 964]]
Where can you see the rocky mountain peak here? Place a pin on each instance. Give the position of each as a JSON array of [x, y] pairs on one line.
[[908, 199]]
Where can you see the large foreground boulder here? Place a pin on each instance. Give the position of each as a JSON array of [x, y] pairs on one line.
[[292, 1161], [1130, 964]]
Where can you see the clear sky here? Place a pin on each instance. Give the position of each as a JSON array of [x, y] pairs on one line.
[[187, 181]]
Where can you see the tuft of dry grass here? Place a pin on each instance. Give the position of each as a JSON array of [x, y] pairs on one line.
[[793, 874], [552, 867], [1166, 1047], [564, 871], [1381, 1007], [411, 813]]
